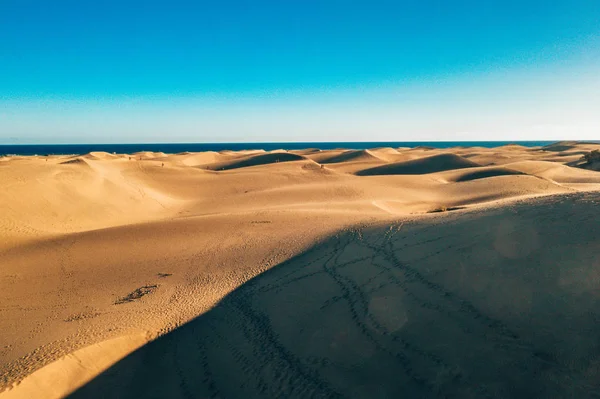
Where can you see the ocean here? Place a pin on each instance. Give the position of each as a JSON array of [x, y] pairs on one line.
[[173, 148]]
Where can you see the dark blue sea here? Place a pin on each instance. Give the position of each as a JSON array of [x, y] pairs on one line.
[[173, 148]]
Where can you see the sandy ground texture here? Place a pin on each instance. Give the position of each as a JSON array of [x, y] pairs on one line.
[[464, 272]]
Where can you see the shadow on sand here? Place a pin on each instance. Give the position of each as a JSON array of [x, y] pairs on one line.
[[500, 304]]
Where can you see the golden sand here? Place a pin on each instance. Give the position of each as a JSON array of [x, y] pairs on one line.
[[382, 272]]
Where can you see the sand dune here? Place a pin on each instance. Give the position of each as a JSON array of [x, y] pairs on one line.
[[562, 146], [95, 155], [148, 155], [307, 151], [472, 316], [351, 156], [556, 172], [75, 161], [389, 154], [321, 156], [197, 159], [97, 248], [474, 173], [255, 160], [385, 150], [436, 163], [242, 152]]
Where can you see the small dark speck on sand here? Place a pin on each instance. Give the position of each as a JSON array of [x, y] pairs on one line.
[[137, 294]]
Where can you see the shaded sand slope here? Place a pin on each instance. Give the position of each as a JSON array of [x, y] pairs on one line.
[[475, 173], [490, 303], [255, 160], [436, 163], [350, 156]]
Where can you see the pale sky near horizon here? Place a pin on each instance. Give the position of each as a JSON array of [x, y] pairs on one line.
[[242, 71]]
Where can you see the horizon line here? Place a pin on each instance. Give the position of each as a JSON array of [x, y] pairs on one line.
[[300, 142]]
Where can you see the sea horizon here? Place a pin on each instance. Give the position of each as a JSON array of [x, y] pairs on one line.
[[173, 148]]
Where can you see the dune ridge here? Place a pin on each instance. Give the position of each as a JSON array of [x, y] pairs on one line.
[[256, 160], [421, 166], [350, 156]]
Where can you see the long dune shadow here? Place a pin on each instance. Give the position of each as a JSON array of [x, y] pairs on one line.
[[504, 304]]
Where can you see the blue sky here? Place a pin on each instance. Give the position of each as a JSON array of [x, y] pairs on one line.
[[118, 71]]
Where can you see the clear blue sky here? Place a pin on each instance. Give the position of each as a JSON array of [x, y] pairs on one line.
[[149, 71]]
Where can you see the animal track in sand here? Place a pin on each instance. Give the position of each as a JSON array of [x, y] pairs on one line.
[[82, 316]]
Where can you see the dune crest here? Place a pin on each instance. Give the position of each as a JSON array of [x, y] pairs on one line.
[[256, 160], [474, 173], [421, 166], [75, 161], [351, 156]]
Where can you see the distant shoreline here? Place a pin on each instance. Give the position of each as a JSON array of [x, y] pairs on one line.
[[173, 148]]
